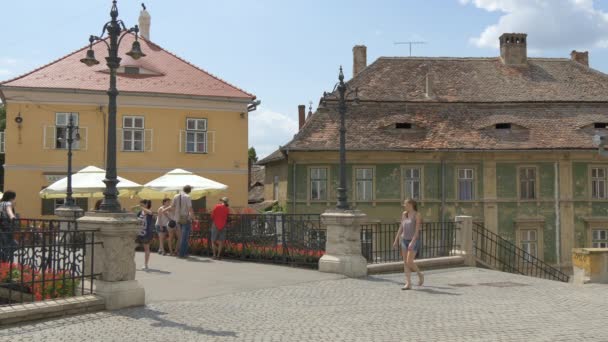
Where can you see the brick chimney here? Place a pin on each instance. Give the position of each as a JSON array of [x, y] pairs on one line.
[[359, 59], [580, 57], [302, 115], [144, 22], [513, 48]]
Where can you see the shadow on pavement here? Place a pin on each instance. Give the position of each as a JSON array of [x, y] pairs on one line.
[[146, 313], [154, 270], [431, 291]]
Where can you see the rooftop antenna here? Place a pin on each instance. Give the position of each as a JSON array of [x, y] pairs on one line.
[[410, 44]]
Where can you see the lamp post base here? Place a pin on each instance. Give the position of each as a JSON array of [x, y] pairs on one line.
[[343, 247]]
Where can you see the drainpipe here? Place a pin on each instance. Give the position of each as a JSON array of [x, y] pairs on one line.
[[293, 205], [557, 218]]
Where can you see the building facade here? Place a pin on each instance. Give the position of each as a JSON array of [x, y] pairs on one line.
[[170, 115], [507, 140]]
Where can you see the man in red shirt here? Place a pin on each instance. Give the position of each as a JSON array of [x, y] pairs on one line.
[[219, 219]]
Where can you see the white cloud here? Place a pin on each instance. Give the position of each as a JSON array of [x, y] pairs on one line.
[[7, 65], [550, 24], [268, 130]]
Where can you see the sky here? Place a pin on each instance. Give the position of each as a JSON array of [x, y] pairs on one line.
[[287, 53]]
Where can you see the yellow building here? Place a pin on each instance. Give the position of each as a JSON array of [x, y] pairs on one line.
[[171, 114]]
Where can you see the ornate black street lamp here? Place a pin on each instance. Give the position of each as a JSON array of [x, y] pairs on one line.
[[343, 94], [116, 31], [70, 137]]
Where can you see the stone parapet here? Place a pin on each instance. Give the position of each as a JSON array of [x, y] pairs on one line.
[[343, 247]]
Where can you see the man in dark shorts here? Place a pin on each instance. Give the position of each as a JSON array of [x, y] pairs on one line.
[[219, 219]]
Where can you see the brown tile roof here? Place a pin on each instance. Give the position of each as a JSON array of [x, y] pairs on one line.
[[263, 206], [273, 157], [256, 194], [258, 173], [171, 74], [371, 126], [479, 80]]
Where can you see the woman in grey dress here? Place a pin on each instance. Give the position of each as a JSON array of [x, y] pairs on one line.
[[408, 238]]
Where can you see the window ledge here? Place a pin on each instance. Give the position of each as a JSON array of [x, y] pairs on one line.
[[532, 219], [593, 219]]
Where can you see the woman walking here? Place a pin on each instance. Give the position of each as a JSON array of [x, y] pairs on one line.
[[408, 235], [162, 227], [147, 218], [7, 216]]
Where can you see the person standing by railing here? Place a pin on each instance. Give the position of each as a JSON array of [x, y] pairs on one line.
[[7, 218], [408, 234], [162, 227], [219, 219]]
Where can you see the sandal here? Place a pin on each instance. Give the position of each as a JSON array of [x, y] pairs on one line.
[[406, 287]]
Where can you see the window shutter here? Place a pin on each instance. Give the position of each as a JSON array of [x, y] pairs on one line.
[[210, 142], [119, 139], [182, 141], [148, 138], [48, 207], [84, 136], [49, 139], [2, 143]]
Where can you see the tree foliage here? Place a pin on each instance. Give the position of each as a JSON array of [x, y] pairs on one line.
[[252, 155]]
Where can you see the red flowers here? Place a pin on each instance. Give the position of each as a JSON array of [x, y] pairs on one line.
[[47, 285]]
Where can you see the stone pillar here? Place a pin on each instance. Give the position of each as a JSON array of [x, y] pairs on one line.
[[590, 265], [464, 238], [566, 213], [343, 247], [490, 204], [68, 214], [115, 258]]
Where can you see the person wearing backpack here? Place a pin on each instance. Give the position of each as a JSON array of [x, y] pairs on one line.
[[7, 217], [182, 209]]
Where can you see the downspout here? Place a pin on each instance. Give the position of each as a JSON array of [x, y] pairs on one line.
[[557, 218], [293, 204]]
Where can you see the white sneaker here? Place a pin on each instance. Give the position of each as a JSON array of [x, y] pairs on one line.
[[145, 268]]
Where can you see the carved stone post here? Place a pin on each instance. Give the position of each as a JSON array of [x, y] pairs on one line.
[[343, 247], [114, 258]]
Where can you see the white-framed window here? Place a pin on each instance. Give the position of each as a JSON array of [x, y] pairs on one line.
[[528, 241], [318, 183], [62, 121], [527, 183], [2, 143], [196, 136], [466, 178], [599, 238], [598, 183], [364, 184], [133, 133], [275, 188], [411, 182]]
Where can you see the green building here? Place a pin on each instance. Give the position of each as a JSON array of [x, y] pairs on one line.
[[507, 140]]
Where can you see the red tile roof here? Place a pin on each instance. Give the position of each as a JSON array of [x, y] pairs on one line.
[[441, 126], [172, 74], [479, 80]]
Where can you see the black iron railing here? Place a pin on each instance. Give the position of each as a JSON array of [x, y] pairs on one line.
[[296, 240], [493, 251], [44, 259], [437, 239]]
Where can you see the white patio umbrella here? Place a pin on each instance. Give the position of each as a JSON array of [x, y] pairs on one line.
[[173, 182], [88, 183]]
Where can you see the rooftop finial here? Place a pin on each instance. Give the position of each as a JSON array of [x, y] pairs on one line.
[[144, 22], [143, 5]]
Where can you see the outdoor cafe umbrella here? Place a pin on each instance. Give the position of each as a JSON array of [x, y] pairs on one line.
[[88, 183], [174, 181]]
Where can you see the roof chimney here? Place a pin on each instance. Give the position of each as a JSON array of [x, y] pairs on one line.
[[359, 59], [144, 23], [302, 115], [429, 85], [580, 57], [513, 48]]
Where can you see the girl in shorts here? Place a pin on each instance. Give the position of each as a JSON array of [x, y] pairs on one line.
[[162, 226], [145, 236], [408, 238]]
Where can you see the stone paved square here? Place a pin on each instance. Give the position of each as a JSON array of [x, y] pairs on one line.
[[454, 305]]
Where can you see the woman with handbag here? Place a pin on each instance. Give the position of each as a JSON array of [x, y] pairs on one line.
[[7, 219], [409, 236], [147, 231], [162, 227]]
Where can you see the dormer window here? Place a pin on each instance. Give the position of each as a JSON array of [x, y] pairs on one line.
[[600, 125], [130, 70], [503, 126], [403, 125]]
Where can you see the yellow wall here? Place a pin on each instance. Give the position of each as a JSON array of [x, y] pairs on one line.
[[27, 161]]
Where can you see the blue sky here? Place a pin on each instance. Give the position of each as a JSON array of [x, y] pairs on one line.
[[288, 53]]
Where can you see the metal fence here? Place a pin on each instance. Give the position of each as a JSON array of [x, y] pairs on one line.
[[496, 252], [296, 240], [437, 239], [44, 259]]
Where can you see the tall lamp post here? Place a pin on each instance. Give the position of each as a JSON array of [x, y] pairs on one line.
[[70, 137], [343, 95], [116, 31]]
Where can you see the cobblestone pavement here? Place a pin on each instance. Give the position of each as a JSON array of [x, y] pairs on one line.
[[464, 304]]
